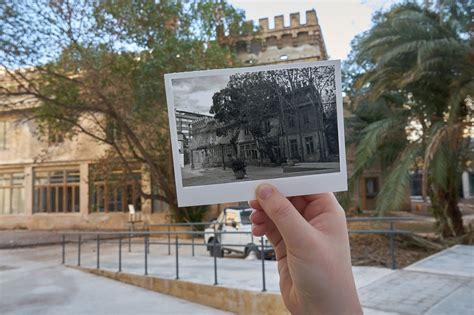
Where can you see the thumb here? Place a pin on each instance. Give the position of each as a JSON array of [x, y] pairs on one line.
[[293, 227]]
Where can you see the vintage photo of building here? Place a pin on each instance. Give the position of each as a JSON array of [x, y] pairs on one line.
[[257, 125]]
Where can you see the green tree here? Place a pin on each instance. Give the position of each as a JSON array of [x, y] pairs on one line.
[[97, 67], [411, 79]]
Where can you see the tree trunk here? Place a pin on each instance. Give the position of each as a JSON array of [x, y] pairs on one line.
[[454, 216], [447, 213]]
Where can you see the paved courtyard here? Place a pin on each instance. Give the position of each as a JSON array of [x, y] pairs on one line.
[[32, 282], [440, 284], [217, 175]]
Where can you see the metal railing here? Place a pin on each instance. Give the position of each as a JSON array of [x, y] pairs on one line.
[[391, 232], [132, 234]]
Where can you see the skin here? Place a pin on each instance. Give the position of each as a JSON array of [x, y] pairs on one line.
[[309, 235]]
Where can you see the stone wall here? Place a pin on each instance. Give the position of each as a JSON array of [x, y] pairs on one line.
[[283, 44]]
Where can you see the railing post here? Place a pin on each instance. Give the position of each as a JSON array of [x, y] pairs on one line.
[[129, 238], [79, 250], [262, 256], [120, 254], [169, 240], [64, 249], [214, 243], [177, 258], [193, 244], [146, 254], [148, 243], [392, 247], [98, 251]]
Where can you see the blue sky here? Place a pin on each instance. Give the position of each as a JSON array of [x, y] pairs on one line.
[[340, 20]]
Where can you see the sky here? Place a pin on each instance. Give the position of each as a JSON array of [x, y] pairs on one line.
[[195, 94], [340, 20]]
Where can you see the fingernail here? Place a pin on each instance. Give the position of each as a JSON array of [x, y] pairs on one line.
[[265, 191], [248, 202]]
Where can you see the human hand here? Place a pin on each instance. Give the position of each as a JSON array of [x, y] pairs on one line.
[[309, 235]]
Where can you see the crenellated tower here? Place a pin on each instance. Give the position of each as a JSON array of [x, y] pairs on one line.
[[283, 44]]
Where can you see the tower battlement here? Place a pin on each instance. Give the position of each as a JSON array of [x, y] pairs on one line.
[[281, 44], [311, 19]]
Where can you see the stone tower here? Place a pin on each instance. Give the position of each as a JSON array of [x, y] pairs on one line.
[[295, 43]]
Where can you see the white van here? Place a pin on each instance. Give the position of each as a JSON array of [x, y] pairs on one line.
[[230, 222]]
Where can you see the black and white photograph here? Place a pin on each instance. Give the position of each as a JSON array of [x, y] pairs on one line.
[[239, 126]]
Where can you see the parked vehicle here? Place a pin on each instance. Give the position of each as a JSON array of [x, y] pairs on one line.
[[231, 223]]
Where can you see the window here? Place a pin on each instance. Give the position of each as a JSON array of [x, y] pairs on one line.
[[291, 121], [113, 132], [56, 191], [294, 147], [471, 184], [415, 183], [231, 217], [306, 117], [309, 145], [3, 135], [158, 205], [12, 193], [245, 217], [268, 126], [371, 186], [114, 191], [55, 137], [254, 152], [246, 131]]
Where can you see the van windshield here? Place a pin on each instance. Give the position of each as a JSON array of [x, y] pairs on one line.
[[245, 216]]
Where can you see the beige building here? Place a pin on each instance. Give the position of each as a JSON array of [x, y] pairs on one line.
[[48, 181], [51, 182]]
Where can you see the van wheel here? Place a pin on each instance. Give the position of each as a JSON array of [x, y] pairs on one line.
[[249, 249], [246, 251], [215, 250]]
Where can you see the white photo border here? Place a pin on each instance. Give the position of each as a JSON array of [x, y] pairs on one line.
[[240, 191]]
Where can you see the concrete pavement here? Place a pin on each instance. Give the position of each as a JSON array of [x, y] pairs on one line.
[[217, 175], [440, 284], [33, 282]]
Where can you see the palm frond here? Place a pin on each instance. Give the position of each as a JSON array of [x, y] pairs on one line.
[[367, 148], [393, 193]]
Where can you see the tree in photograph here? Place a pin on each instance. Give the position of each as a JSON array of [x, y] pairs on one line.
[[252, 99], [412, 88], [249, 102], [97, 67]]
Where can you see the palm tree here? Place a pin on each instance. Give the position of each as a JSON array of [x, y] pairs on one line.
[[413, 103]]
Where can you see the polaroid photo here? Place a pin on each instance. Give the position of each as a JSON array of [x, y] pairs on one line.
[[233, 129]]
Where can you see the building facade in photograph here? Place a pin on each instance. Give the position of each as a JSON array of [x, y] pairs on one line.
[[184, 122], [297, 133]]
